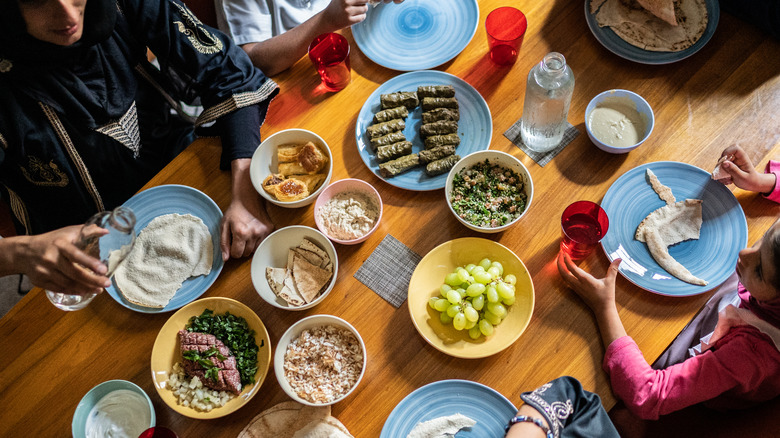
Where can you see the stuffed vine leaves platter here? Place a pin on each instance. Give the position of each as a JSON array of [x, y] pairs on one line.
[[416, 34], [475, 126]]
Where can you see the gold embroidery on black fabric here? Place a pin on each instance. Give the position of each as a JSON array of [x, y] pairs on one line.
[[19, 210], [200, 38], [5, 65], [236, 101], [124, 130], [44, 175], [3, 142]]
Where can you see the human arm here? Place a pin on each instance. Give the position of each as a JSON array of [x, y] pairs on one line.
[[51, 261], [246, 222], [525, 429], [742, 173]]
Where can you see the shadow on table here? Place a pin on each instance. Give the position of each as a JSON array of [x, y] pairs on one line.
[[592, 165]]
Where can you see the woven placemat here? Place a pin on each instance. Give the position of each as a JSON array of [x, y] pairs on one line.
[[541, 158], [388, 269]]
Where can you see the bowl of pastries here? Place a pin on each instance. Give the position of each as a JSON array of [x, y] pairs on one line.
[[291, 168]]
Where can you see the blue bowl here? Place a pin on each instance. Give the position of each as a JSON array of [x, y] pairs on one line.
[[95, 394], [642, 107]]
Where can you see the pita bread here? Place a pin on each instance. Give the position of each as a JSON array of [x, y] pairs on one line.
[[441, 426], [309, 279], [329, 428], [663, 9], [665, 193], [275, 278], [675, 223], [660, 252], [290, 292], [310, 257], [308, 245], [719, 174], [315, 271], [284, 420]]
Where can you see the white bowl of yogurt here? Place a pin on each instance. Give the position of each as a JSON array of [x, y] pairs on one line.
[[348, 211], [618, 121], [113, 408]]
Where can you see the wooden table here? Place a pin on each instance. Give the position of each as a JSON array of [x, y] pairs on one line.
[[728, 92]]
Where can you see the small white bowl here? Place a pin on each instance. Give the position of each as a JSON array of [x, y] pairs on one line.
[[494, 157], [346, 186], [644, 109], [292, 333], [93, 396], [265, 162], [273, 251]]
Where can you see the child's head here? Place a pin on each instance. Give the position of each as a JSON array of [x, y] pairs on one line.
[[758, 266]]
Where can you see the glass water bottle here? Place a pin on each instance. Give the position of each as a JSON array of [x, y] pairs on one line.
[[547, 97]]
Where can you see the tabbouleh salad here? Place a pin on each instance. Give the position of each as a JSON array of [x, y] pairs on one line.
[[488, 195]]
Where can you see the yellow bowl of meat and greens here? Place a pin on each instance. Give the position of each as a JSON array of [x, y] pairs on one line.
[[489, 191]]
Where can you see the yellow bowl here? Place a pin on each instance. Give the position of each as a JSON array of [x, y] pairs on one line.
[[165, 353], [429, 276]]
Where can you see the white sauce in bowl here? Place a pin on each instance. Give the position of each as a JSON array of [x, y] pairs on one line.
[[119, 414], [616, 122], [348, 216]]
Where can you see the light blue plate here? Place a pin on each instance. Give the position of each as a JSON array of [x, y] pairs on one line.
[[168, 199], [483, 404], [416, 34], [713, 257], [475, 127], [620, 47]]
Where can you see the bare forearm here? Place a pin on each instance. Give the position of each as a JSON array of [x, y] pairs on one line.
[[10, 248], [610, 325]]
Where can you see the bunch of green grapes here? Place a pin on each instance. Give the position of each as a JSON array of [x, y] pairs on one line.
[[475, 297]]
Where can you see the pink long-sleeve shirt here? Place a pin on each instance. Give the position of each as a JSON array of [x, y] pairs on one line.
[[740, 369]]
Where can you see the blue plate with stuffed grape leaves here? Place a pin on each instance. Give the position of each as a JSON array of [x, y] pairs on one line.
[[416, 34], [475, 127]]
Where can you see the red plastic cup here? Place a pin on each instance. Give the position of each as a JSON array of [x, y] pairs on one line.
[[158, 432], [505, 28], [584, 224], [329, 53]]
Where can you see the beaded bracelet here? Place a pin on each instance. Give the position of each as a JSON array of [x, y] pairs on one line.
[[536, 421]]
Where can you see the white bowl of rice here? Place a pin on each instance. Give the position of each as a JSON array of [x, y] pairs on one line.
[[348, 211], [320, 360]]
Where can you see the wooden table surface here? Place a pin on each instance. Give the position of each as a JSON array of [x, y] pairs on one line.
[[727, 93]]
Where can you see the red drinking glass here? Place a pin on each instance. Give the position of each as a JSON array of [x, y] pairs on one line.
[[329, 53], [505, 28], [584, 224], [158, 432]]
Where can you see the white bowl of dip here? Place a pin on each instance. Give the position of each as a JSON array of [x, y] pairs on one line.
[[114, 405], [348, 211], [618, 121]]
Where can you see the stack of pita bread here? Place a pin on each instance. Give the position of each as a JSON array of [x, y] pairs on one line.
[[308, 272], [293, 420], [671, 224]]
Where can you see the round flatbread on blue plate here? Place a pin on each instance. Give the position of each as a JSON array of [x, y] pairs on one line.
[[713, 257], [168, 199]]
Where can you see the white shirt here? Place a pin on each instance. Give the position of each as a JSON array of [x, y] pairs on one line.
[[251, 21]]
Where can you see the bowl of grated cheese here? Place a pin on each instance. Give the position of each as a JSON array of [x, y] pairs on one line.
[[348, 211]]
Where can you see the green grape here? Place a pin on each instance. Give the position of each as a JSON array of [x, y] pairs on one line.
[[491, 318], [462, 292], [441, 305], [482, 277], [454, 310], [459, 321], [475, 289], [509, 301], [478, 302], [499, 266], [453, 297], [467, 303], [452, 279], [471, 314], [477, 269], [474, 332], [432, 302], [485, 327], [444, 318], [494, 272], [444, 288], [470, 324], [504, 290], [497, 309], [470, 267], [491, 294], [511, 279], [463, 275], [485, 263]]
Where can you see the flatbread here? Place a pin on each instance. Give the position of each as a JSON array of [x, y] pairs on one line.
[[664, 192], [284, 420], [315, 271], [290, 292], [329, 428], [441, 427], [169, 250], [311, 246], [660, 252], [309, 279], [275, 278], [638, 27], [718, 174], [675, 223], [663, 9]]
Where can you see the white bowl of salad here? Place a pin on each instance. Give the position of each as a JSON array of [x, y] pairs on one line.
[[489, 191]]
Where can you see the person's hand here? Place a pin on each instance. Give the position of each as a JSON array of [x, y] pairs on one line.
[[598, 293], [344, 13], [244, 225], [739, 170], [52, 260]]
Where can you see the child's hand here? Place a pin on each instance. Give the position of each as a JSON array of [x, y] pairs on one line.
[[598, 293], [739, 170]]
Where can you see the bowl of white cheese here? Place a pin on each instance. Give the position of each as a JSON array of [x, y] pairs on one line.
[[113, 408], [618, 121], [348, 211]]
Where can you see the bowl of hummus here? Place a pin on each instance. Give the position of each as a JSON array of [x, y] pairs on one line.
[[618, 121], [348, 211]]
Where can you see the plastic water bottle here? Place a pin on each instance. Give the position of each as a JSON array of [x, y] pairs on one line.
[[547, 97]]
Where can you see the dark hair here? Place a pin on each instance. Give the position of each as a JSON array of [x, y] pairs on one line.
[[775, 239]]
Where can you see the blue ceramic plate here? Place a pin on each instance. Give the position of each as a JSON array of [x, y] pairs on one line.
[[475, 127], [416, 34], [713, 257], [619, 47], [167, 199], [485, 405]]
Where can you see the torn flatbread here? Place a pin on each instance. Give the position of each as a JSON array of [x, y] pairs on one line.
[[315, 271], [663, 9], [718, 174], [284, 420], [660, 252], [290, 292], [664, 192], [441, 427], [309, 279]]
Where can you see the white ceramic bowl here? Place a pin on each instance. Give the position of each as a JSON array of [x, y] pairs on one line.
[[349, 185], [494, 157], [292, 333], [273, 251], [93, 396], [644, 109], [265, 162]]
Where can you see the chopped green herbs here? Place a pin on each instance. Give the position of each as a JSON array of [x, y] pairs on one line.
[[236, 334], [488, 195]]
